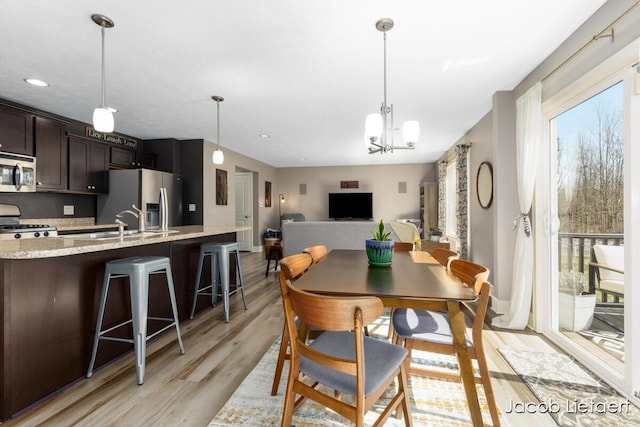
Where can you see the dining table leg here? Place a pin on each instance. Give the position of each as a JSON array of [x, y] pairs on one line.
[[456, 317]]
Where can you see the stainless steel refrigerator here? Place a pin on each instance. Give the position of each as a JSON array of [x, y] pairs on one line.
[[141, 187]]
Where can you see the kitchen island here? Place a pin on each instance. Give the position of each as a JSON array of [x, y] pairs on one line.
[[51, 290]]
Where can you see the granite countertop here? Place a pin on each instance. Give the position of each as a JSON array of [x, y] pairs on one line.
[[71, 224], [61, 246]]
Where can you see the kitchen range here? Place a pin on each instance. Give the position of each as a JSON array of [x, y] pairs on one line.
[[11, 229]]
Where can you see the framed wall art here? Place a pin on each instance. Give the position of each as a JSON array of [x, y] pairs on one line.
[[222, 187], [267, 194]]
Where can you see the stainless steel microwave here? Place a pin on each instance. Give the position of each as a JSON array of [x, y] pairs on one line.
[[17, 173]]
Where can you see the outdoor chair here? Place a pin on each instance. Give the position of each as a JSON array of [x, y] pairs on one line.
[[608, 266]]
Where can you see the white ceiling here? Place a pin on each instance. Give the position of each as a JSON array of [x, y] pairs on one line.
[[304, 72]]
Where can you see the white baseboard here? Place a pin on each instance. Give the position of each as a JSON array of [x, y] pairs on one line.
[[500, 306]]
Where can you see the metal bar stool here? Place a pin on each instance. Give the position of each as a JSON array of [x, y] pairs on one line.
[[138, 270], [219, 253]]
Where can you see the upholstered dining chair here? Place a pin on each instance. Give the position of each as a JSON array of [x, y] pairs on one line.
[[430, 331], [444, 256], [318, 252], [291, 268], [337, 358]]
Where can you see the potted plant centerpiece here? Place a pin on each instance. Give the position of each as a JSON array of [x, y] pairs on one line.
[[576, 307], [380, 247]]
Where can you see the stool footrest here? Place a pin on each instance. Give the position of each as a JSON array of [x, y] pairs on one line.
[[129, 340]]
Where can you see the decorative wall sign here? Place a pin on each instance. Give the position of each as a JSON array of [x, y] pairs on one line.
[[221, 187], [349, 184], [267, 194], [110, 137]]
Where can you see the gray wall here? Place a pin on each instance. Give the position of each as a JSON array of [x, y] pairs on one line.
[[381, 180], [502, 152]]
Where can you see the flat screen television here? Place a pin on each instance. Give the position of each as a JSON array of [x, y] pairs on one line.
[[350, 205]]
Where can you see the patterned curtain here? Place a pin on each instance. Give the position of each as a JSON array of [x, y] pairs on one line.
[[462, 157], [442, 195]]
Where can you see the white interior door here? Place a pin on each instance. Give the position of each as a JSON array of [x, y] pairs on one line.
[[244, 208]]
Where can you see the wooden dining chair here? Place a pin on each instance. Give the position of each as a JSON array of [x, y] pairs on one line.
[[402, 246], [318, 252], [291, 268], [444, 256], [337, 358], [430, 331]]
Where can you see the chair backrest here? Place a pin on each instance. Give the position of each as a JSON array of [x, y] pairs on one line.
[[318, 252], [292, 267], [444, 256], [333, 313], [480, 313], [402, 246], [612, 257], [471, 274]]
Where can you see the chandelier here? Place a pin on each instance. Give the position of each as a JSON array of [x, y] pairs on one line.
[[102, 115], [378, 128]]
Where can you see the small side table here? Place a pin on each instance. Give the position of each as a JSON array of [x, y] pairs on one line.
[[273, 252]]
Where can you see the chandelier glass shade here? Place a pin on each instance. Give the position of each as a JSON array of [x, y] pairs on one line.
[[378, 129], [103, 117]]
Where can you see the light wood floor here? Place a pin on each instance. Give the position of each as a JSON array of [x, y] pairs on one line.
[[190, 389]]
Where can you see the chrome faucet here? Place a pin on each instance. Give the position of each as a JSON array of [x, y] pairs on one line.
[[138, 214], [141, 219], [121, 224]]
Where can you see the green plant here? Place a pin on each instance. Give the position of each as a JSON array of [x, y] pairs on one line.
[[572, 282], [379, 233], [435, 232]]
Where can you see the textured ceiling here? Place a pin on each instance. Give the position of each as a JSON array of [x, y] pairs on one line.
[[304, 72]]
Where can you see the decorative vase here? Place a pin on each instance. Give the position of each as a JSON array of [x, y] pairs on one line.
[[379, 252]]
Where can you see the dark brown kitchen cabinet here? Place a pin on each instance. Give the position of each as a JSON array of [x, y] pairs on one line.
[[124, 158], [51, 154], [16, 131], [146, 160], [88, 166]]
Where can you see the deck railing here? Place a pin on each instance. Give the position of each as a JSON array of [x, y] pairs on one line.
[[574, 251]]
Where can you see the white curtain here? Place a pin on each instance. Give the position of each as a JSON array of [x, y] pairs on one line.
[[528, 133]]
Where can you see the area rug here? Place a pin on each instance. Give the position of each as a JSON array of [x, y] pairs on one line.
[[433, 402], [568, 391]]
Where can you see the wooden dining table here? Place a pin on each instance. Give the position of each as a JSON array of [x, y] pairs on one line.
[[414, 280]]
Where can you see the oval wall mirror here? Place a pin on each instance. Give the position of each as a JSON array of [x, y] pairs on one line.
[[484, 184]]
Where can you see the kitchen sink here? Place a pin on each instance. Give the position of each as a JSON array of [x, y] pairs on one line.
[[128, 234]]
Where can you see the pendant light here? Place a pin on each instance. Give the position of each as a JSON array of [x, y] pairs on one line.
[[378, 128], [218, 155], [102, 116]]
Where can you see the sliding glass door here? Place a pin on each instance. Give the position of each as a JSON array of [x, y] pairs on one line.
[[584, 210]]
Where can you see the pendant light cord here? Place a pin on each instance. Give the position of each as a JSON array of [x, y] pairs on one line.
[[218, 125], [103, 68]]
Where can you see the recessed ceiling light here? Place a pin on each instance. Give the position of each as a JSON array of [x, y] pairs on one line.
[[37, 82], [264, 135]]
